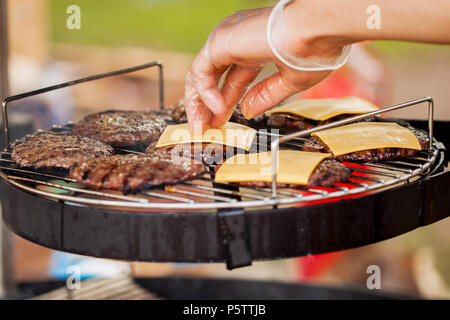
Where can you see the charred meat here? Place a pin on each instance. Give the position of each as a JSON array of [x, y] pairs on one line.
[[134, 172], [51, 150], [122, 128], [209, 153], [287, 122]]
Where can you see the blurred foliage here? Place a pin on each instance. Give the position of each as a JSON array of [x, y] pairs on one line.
[[181, 25], [408, 49]]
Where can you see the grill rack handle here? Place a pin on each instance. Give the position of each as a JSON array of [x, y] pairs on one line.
[[275, 144], [20, 96]]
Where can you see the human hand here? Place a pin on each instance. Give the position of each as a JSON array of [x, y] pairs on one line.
[[239, 44]]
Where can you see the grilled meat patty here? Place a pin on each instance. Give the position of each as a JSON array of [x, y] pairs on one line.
[[52, 150], [326, 174], [178, 114], [134, 172], [314, 144], [288, 123], [123, 128], [209, 153]]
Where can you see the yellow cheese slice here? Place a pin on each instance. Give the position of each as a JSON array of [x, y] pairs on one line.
[[231, 134], [323, 109], [366, 136], [294, 167]]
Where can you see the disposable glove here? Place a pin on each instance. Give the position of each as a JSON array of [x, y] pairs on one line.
[[239, 44]]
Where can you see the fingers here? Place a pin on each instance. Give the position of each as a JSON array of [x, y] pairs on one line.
[[202, 95], [205, 76], [198, 115], [266, 94], [236, 83], [278, 87]]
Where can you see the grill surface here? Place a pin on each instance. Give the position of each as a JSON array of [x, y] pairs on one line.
[[204, 193]]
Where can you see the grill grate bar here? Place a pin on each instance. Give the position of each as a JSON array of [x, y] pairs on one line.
[[381, 173], [403, 163], [34, 173], [367, 178], [198, 194], [246, 193], [225, 191], [271, 134], [361, 184], [319, 191], [387, 167], [168, 197], [78, 190]]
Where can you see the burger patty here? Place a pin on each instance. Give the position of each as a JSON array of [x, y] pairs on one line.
[[314, 144], [52, 150], [134, 172], [258, 122], [287, 122], [123, 128], [177, 112], [326, 174], [178, 115], [209, 153]]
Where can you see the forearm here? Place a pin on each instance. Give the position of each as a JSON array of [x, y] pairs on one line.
[[305, 31], [349, 21]]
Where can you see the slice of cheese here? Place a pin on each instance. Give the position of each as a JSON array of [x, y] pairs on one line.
[[294, 167], [366, 136], [323, 109], [231, 134]]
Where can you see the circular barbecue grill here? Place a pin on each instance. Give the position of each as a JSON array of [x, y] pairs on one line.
[[204, 221]]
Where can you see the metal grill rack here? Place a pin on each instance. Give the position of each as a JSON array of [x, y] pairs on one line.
[[204, 193], [204, 221]]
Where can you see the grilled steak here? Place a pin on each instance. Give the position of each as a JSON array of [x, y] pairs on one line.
[[314, 144], [326, 174], [122, 128], [209, 153], [133, 172], [178, 114], [51, 150]]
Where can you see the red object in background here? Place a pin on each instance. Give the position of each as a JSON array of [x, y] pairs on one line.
[[313, 267], [338, 84], [365, 77]]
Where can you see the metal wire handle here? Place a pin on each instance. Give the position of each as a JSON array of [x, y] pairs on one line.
[[276, 142], [74, 82]]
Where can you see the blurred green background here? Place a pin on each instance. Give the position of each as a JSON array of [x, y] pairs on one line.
[[179, 25]]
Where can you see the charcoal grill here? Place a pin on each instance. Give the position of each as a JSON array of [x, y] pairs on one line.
[[204, 221]]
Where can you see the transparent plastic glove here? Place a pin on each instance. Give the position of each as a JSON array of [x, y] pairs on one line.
[[239, 43]]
